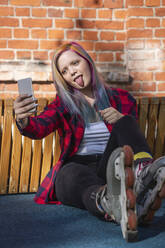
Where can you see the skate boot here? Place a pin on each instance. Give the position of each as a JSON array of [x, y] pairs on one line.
[[117, 198], [150, 190]]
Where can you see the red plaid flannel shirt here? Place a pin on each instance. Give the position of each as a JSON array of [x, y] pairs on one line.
[[71, 130]]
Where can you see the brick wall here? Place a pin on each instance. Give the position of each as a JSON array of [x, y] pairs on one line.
[[124, 37]]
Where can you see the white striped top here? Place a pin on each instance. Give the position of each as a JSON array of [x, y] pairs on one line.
[[95, 139]]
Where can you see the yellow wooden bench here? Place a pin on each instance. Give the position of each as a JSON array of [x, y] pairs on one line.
[[25, 162]]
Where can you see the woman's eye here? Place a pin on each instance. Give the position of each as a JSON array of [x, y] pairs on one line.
[[76, 62], [63, 72]]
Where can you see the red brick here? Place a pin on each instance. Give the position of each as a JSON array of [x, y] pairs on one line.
[[163, 2], [87, 45], [160, 11], [107, 35], [71, 13], [142, 65], [114, 46], [119, 56], [3, 43], [136, 86], [22, 12], [56, 34], [135, 23], [9, 22], [5, 2], [73, 34], [90, 35], [115, 25], [11, 87], [121, 36], [105, 57], [55, 12], [104, 13], [88, 13], [136, 33], [113, 4], [163, 66], [5, 33], [85, 24], [64, 23], [160, 76], [25, 2], [152, 3], [23, 55], [21, 33], [135, 44], [40, 55], [88, 4], [6, 11], [153, 22], [48, 44], [134, 3], [149, 44], [163, 23], [39, 12], [2, 87], [142, 76], [140, 12], [60, 3], [38, 33], [6, 54], [33, 23], [23, 44], [120, 14], [141, 55], [160, 33], [148, 87], [47, 87], [161, 86]]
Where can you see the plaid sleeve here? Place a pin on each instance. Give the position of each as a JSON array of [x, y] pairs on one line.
[[42, 125], [123, 101]]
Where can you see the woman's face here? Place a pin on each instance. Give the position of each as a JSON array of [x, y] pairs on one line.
[[74, 69]]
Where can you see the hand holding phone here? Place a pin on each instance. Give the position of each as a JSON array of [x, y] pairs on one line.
[[25, 88]]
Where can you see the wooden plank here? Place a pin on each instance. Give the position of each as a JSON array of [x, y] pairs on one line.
[[143, 111], [160, 138], [152, 122], [25, 165], [15, 161], [47, 154], [37, 154], [6, 146], [1, 120]]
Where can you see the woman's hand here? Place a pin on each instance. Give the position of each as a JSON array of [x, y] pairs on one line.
[[111, 115], [24, 106]]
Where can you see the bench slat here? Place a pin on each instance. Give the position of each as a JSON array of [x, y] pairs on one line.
[[152, 122], [160, 138], [6, 146], [15, 161]]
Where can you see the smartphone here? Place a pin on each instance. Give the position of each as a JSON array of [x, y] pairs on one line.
[[25, 87]]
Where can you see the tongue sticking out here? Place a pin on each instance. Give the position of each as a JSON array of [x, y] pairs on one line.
[[80, 81]]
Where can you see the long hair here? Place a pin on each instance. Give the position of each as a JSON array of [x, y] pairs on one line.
[[72, 98]]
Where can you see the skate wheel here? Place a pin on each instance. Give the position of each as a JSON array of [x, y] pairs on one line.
[[162, 192], [129, 175], [131, 199], [149, 216], [156, 204], [132, 220], [128, 155]]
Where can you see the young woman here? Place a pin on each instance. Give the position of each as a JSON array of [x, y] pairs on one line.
[[105, 164]]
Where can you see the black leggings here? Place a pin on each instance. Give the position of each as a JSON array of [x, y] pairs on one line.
[[79, 179]]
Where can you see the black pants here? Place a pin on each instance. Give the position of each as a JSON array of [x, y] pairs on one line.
[[79, 179]]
